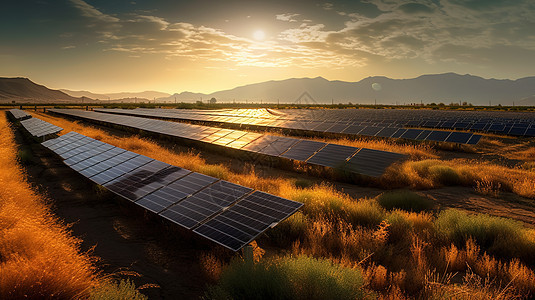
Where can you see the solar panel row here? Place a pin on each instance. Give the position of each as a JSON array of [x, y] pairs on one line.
[[353, 160], [327, 126], [19, 114], [39, 128], [226, 213]]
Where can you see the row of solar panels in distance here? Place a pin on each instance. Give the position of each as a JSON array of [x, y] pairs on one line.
[[19, 114], [329, 127], [513, 127], [345, 158], [39, 128], [226, 213], [399, 117]]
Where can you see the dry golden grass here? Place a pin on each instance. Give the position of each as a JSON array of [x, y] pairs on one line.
[[39, 258], [489, 177]]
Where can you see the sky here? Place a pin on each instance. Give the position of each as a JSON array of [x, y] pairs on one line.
[[204, 46]]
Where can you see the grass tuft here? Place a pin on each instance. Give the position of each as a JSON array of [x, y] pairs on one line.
[[288, 278], [502, 237], [405, 200]]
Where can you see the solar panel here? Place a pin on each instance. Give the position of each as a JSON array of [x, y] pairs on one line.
[[371, 162], [139, 182], [274, 146], [411, 134], [387, 132], [279, 146], [474, 139], [39, 128], [194, 209], [370, 130], [241, 223], [459, 137], [18, 114], [332, 155], [179, 195], [303, 150], [438, 136], [337, 128], [353, 129]]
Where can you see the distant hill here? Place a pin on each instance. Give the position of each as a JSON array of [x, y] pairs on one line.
[[117, 96], [24, 90], [446, 88]]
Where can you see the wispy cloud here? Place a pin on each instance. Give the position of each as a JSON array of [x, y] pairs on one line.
[[287, 17]]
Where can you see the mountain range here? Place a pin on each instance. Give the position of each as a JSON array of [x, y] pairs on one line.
[[445, 88]]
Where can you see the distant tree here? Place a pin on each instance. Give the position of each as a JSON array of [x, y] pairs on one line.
[[465, 103], [441, 104], [432, 104], [213, 100]]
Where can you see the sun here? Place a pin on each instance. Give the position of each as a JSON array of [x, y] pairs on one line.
[[259, 35]]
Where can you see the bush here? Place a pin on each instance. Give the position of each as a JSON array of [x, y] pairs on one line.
[[500, 236], [405, 200], [125, 289], [288, 278]]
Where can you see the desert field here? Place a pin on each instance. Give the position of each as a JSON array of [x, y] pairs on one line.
[[350, 203]]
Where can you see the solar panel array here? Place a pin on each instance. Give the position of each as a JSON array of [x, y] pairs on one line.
[[39, 128], [351, 159], [19, 114], [340, 126], [501, 122], [226, 213]]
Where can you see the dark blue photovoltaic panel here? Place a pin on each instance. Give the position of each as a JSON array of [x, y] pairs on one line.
[[411, 134], [438, 136], [244, 221], [422, 136], [279, 146], [332, 155], [474, 139], [323, 126], [387, 132], [459, 137], [353, 129], [337, 128], [303, 150], [371, 162], [194, 209]]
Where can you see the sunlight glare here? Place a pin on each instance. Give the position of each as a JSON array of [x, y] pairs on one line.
[[259, 35]]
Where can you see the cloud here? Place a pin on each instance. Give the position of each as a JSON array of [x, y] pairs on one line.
[[91, 12], [428, 30], [287, 17]]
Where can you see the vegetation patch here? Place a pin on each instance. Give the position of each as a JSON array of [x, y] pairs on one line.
[[302, 277], [405, 200], [502, 237]]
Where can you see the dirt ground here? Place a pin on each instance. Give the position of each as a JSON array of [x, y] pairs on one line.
[[127, 239]]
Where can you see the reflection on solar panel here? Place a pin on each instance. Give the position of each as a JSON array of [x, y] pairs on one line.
[[39, 128], [191, 200], [18, 114], [379, 160], [320, 120], [269, 145]]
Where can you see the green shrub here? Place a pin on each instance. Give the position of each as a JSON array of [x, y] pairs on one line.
[[313, 278], [289, 230], [288, 278], [245, 280], [405, 200], [364, 212], [500, 236], [125, 289], [25, 156], [303, 183], [445, 175]]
